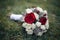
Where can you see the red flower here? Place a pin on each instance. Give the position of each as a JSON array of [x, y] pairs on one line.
[[30, 18], [43, 20]]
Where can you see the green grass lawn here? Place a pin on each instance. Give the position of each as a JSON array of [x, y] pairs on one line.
[[10, 30]]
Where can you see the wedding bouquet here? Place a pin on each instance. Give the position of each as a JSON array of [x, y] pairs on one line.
[[35, 20]]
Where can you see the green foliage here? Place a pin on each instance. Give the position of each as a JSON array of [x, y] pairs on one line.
[[10, 30]]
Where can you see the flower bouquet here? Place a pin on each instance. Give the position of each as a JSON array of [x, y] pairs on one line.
[[35, 20]]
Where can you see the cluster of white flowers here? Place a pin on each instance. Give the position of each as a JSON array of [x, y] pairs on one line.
[[31, 27], [36, 27]]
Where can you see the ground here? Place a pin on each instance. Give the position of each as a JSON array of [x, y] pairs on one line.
[[10, 30]]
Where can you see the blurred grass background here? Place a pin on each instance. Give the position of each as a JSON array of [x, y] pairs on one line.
[[9, 30]]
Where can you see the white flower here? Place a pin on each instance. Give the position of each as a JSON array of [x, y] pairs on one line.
[[36, 15], [29, 26], [26, 25], [45, 11], [39, 9], [28, 10], [29, 31], [43, 27], [32, 9], [45, 31], [38, 24], [47, 25], [33, 26], [40, 33]]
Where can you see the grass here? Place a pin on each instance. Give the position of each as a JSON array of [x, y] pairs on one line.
[[10, 30]]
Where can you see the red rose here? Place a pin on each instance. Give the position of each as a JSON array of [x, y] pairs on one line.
[[30, 18], [43, 20]]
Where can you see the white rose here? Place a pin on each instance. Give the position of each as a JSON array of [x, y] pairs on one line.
[[45, 11], [33, 26], [43, 27], [26, 25], [29, 31], [38, 24], [28, 10], [40, 33], [40, 9], [36, 15]]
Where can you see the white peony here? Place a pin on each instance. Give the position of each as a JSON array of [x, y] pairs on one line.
[[28, 10], [38, 24], [36, 15], [40, 33], [39, 9], [43, 27]]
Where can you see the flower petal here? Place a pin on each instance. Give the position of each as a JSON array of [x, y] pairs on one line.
[[30, 32], [38, 24], [43, 27], [33, 26], [30, 18], [43, 20], [39, 9], [28, 10], [37, 16], [40, 33]]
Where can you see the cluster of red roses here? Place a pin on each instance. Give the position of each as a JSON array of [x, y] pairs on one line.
[[36, 21], [30, 18]]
